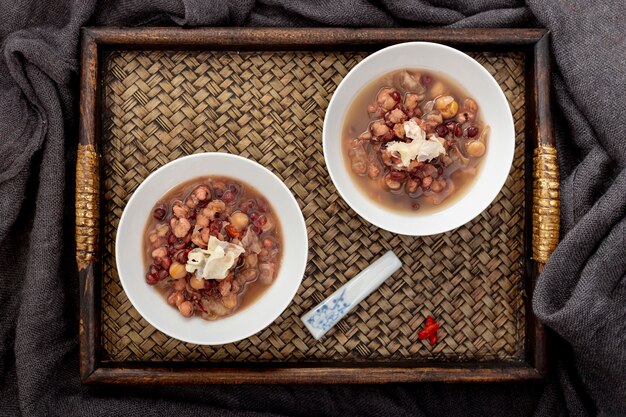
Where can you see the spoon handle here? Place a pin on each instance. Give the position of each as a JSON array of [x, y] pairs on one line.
[[328, 313]]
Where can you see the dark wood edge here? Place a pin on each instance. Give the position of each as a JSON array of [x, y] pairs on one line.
[[532, 41], [89, 321], [545, 126], [540, 129], [544, 136], [318, 38], [125, 375]]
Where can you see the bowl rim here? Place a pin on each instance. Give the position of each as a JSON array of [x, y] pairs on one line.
[[282, 303], [488, 196]]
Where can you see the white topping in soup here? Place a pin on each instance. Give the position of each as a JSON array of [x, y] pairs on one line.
[[420, 148], [215, 261]]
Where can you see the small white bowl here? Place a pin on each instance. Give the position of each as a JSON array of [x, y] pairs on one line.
[[495, 111], [256, 316]]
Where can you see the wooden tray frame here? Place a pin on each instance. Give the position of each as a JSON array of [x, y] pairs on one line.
[[542, 202]]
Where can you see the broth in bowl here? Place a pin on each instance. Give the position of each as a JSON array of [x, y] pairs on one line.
[[212, 247], [413, 140]]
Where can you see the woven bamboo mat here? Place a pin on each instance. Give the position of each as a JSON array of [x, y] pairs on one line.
[[269, 106]]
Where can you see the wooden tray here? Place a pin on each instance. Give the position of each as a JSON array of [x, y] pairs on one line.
[[149, 96]]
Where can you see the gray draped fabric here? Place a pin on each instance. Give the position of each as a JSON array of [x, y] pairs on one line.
[[581, 295]]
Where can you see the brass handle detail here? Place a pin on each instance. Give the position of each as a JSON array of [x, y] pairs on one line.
[[546, 203], [87, 205]]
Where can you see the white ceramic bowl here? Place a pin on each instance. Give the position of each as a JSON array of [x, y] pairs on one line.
[[495, 111], [242, 324]]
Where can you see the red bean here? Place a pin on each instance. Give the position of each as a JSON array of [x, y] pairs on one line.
[[192, 214], [181, 256], [264, 206], [427, 80], [441, 130], [166, 262], [257, 230], [395, 96], [159, 213], [162, 274], [228, 196], [260, 221], [458, 131], [397, 175], [399, 106], [215, 227], [472, 131], [451, 126], [152, 279], [171, 239], [247, 206], [254, 216], [415, 206]]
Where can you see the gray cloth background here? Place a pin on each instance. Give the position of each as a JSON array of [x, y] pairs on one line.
[[581, 295]]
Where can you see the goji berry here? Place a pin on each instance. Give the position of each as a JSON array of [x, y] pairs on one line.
[[429, 331]]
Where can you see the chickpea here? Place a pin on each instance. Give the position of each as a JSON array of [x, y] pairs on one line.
[[176, 298], [230, 301], [159, 252], [202, 192], [196, 283], [379, 128], [247, 275], [398, 130], [186, 308], [411, 186], [447, 106], [177, 270], [470, 106], [251, 260], [412, 100], [436, 186], [180, 284], [475, 149], [180, 210], [373, 171], [397, 116], [387, 98], [239, 220], [202, 220], [427, 181], [162, 229], [392, 184], [180, 227]]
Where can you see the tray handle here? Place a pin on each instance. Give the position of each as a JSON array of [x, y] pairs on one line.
[[87, 205], [546, 205]]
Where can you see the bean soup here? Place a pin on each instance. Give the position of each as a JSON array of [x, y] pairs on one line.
[[212, 246], [413, 140]]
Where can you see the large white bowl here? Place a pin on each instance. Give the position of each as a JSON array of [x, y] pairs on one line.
[[242, 324], [495, 111]]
